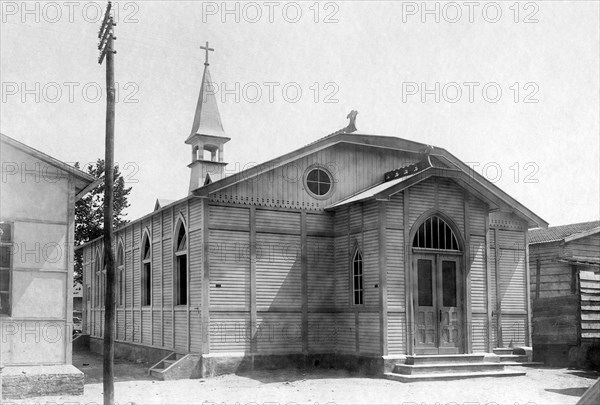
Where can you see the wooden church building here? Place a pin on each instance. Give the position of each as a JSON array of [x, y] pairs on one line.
[[357, 251]]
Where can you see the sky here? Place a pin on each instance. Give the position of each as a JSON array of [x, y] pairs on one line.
[[511, 88]]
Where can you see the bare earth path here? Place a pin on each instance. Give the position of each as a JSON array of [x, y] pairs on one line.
[[539, 386]]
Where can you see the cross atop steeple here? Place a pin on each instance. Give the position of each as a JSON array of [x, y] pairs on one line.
[[207, 49]]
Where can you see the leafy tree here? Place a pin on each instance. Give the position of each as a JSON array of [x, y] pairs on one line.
[[89, 211]]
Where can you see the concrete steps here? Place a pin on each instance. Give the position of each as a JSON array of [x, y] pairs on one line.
[[448, 367], [516, 356]]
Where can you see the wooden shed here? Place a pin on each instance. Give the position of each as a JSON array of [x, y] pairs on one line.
[[360, 251], [564, 265]]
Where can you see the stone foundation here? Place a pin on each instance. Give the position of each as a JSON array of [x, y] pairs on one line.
[[213, 364], [33, 381], [230, 363]]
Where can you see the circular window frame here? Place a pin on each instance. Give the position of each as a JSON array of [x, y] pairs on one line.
[[331, 178]]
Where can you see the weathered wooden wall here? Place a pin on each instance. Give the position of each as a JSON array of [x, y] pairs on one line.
[[163, 324]]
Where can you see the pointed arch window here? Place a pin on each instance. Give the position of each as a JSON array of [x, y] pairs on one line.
[[435, 233], [121, 274], [181, 279], [98, 280], [357, 278], [146, 272]]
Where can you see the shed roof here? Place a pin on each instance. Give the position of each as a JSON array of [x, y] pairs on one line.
[[559, 233]]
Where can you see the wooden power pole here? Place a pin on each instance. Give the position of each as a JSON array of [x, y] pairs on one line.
[[105, 46]]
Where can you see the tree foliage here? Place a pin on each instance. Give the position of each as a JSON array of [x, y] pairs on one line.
[[89, 211]]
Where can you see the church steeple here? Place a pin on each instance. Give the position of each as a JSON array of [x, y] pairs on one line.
[[207, 136]]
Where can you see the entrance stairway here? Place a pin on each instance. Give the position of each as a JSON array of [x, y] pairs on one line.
[[176, 366], [449, 367]]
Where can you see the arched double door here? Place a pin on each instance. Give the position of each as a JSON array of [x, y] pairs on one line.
[[437, 265]]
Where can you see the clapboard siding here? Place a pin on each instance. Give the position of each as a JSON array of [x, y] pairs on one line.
[[353, 167], [228, 332], [279, 332], [181, 335], [395, 269], [479, 332], [396, 333], [421, 198], [278, 272], [371, 268], [320, 223], [451, 201], [146, 326], [369, 333], [229, 269], [346, 332], [281, 221], [342, 272], [157, 270], [395, 212], [321, 275], [195, 331], [322, 333], [167, 274], [477, 274], [514, 329], [512, 280], [236, 217]]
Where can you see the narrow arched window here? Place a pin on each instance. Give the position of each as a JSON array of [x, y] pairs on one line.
[[435, 233], [181, 279], [146, 272], [121, 274], [357, 278], [97, 278]]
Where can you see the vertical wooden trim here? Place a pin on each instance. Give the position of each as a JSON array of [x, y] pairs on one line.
[[253, 315], [141, 252], [304, 278], [408, 276], [527, 291], [187, 273], [162, 279], [436, 193], [538, 269], [205, 280], [383, 300], [173, 214], [498, 290], [152, 272], [69, 276], [488, 283], [468, 324]]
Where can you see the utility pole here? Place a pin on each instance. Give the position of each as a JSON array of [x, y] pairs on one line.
[[106, 36]]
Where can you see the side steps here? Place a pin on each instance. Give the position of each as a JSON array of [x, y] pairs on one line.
[[176, 366]]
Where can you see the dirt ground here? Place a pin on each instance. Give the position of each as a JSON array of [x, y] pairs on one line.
[[132, 385]]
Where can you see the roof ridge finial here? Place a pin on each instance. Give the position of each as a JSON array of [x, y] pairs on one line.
[[352, 124], [207, 49]]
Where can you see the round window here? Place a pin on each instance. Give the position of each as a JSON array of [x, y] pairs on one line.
[[318, 182]]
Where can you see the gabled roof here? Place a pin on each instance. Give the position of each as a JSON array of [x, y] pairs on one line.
[[207, 120], [83, 181], [459, 171], [161, 203], [563, 232]]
